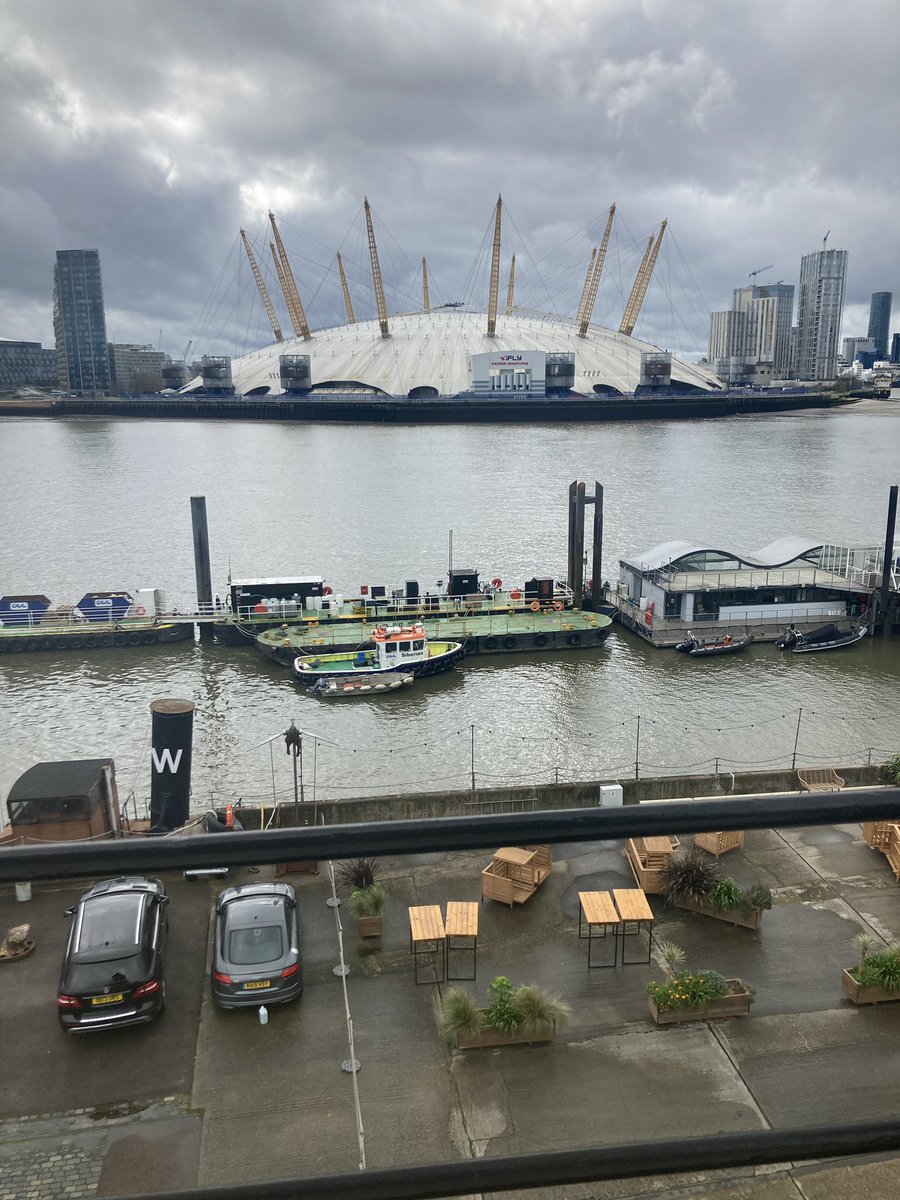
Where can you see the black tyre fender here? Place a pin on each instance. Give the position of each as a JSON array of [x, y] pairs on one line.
[[574, 639], [509, 643], [541, 639], [105, 639], [490, 643]]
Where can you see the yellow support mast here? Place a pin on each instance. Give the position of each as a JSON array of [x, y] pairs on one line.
[[493, 294], [289, 285], [263, 290], [348, 303], [426, 298], [376, 273], [585, 291], [587, 314], [641, 283], [511, 290]]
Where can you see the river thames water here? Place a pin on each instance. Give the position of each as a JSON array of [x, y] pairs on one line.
[[100, 505]]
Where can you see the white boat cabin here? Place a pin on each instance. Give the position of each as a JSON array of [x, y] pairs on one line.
[[397, 645]]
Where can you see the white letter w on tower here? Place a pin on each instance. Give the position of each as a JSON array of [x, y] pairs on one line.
[[165, 760]]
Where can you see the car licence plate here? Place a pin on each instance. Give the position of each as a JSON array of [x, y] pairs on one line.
[[117, 998], [258, 983]]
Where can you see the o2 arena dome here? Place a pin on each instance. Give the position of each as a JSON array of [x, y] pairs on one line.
[[455, 351]]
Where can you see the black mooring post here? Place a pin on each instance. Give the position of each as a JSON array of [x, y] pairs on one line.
[[887, 563], [597, 552], [570, 568], [578, 575], [201, 562]]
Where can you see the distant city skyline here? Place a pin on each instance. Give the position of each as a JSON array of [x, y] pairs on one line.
[[753, 156]]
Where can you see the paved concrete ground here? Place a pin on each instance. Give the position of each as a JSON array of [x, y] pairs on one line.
[[214, 1097]]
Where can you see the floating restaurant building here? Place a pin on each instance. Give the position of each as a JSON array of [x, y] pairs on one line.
[[671, 589]]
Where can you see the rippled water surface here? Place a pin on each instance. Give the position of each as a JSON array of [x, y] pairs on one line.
[[90, 504]]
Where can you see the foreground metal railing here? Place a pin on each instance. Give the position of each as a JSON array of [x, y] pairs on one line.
[[468, 1177]]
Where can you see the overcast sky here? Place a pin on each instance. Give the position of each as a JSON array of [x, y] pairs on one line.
[[153, 131]]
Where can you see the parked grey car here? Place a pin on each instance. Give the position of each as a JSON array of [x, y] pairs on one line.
[[256, 951]]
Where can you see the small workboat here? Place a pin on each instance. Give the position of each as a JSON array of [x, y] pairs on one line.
[[826, 637], [398, 648], [331, 686], [713, 647]]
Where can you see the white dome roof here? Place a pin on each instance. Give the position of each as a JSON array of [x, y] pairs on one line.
[[431, 350]]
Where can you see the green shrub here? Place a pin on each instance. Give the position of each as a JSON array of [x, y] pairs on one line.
[[688, 990], [891, 769], [689, 877], [881, 969], [726, 896], [757, 897], [539, 1012], [460, 1014], [502, 1014], [367, 901]]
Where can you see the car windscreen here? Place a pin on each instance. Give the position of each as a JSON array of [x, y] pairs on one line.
[[109, 927], [256, 945]]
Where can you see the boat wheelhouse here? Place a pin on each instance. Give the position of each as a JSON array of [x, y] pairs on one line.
[[680, 587]]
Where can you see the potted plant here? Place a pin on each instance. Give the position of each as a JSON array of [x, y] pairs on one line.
[[891, 769], [694, 995], [358, 872], [514, 1015], [691, 881], [876, 977], [367, 904]]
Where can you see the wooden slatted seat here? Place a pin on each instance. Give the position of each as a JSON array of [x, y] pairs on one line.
[[819, 779], [647, 857], [720, 843], [515, 873]]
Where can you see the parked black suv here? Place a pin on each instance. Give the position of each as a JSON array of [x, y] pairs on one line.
[[112, 973]]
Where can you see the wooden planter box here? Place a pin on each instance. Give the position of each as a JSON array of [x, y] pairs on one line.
[[647, 865], [735, 1004], [368, 927], [732, 916], [865, 995], [492, 1037]]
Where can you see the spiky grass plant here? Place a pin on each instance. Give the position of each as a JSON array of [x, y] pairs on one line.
[[674, 958], [538, 1011], [460, 1014], [689, 877]]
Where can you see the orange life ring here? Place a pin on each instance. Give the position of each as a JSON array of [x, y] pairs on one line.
[[140, 611], [535, 606], [515, 595], [327, 591], [557, 605], [229, 816], [496, 583]]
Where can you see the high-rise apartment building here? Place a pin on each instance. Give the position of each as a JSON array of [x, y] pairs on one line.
[[134, 368], [751, 342], [880, 322], [895, 348], [79, 322], [819, 312]]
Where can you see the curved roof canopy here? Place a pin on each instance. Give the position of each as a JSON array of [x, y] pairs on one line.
[[780, 553], [431, 351]]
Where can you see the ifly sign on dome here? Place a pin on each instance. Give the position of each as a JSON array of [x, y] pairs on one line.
[[513, 372]]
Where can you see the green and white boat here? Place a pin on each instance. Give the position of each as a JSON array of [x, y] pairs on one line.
[[398, 648]]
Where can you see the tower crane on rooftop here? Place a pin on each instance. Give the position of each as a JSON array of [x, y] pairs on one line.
[[759, 271]]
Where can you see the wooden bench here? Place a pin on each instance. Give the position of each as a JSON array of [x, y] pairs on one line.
[[892, 850], [515, 873], [820, 779], [647, 857]]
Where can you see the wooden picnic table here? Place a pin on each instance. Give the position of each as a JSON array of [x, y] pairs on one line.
[[659, 845], [597, 909], [634, 910], [427, 937], [462, 923]]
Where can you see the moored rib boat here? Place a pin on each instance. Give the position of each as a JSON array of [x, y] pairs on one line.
[[713, 647], [826, 637]]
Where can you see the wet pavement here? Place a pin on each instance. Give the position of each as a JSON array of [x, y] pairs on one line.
[[204, 1096]]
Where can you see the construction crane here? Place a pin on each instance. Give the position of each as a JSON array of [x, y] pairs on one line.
[[493, 293], [376, 273], [825, 239], [187, 350], [642, 283], [289, 286], [263, 291], [348, 303], [759, 271], [591, 299], [511, 290]]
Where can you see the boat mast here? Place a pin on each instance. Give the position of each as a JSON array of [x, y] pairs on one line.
[[495, 273]]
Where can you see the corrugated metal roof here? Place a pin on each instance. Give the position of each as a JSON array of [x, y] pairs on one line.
[[432, 350], [779, 553]]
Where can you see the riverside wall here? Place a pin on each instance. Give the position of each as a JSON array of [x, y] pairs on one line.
[[465, 803]]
